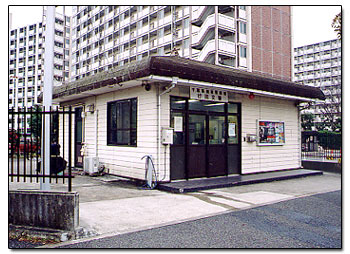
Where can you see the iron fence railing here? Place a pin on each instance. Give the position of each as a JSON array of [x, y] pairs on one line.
[[27, 149], [321, 146]]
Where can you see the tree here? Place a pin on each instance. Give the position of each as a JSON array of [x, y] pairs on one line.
[[307, 121], [336, 24], [35, 122]]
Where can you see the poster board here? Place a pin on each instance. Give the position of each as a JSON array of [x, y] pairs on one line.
[[271, 132]]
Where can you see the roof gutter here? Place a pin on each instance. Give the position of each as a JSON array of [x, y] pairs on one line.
[[227, 87]]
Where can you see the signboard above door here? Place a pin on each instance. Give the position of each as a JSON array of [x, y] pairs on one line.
[[208, 94]]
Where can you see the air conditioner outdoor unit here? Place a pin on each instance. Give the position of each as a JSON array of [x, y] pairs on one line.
[[91, 165]]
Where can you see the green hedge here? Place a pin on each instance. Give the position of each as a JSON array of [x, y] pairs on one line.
[[329, 140]]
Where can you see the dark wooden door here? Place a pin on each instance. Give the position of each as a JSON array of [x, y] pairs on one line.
[[78, 140], [216, 147], [197, 140]]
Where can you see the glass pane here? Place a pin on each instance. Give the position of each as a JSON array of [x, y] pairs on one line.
[[125, 115], [177, 103], [232, 130], [113, 115], [123, 137], [79, 131], [197, 126], [133, 136], [232, 108], [216, 130], [112, 137], [133, 113], [177, 121], [206, 106]]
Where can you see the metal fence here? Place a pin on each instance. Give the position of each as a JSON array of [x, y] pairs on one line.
[[321, 146], [27, 149]]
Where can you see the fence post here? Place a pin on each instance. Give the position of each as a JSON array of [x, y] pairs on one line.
[[70, 150]]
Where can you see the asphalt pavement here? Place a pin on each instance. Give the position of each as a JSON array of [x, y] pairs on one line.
[[308, 222], [109, 206]]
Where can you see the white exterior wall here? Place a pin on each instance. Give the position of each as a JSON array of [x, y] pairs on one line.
[[126, 160], [267, 158]]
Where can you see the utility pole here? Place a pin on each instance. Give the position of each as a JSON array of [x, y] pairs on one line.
[[47, 95]]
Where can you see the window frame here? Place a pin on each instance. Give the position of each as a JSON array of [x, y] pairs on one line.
[[130, 128]]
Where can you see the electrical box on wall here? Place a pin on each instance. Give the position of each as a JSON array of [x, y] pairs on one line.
[[251, 137], [167, 136]]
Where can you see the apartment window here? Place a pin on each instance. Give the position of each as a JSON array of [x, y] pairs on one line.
[[242, 28], [242, 7], [161, 33], [186, 23], [161, 14], [186, 43], [122, 122], [243, 52], [161, 51]]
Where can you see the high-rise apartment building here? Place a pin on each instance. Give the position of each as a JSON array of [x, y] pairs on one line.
[[252, 38], [26, 62], [319, 65]]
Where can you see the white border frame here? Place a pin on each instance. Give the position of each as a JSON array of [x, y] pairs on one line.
[[269, 144]]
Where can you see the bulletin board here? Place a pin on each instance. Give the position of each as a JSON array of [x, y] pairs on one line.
[[271, 133]]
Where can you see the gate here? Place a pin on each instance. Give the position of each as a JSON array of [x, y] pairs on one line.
[[27, 150]]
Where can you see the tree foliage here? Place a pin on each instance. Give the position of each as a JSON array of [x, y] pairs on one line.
[[35, 121], [336, 24], [307, 121]]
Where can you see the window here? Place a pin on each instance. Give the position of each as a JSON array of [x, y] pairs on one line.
[[186, 23], [122, 122], [243, 52], [243, 28]]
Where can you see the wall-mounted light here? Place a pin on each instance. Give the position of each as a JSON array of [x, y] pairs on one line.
[[90, 108], [251, 96], [146, 85]]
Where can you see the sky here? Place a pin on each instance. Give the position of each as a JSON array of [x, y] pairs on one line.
[[316, 29]]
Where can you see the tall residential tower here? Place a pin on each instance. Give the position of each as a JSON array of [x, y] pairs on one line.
[[252, 38], [26, 62], [319, 65]]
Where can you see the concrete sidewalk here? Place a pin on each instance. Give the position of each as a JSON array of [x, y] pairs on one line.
[[110, 205]]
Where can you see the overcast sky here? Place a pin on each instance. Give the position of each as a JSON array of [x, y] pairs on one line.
[[311, 24]]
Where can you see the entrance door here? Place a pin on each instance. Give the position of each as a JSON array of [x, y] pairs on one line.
[[206, 139], [197, 141], [216, 151], [78, 140], [206, 145]]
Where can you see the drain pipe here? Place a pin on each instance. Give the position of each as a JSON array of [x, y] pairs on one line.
[[96, 128], [173, 84]]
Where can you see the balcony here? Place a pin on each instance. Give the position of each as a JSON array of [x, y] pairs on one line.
[[58, 61], [198, 15], [227, 47], [142, 47], [208, 49], [30, 73], [59, 27], [206, 33]]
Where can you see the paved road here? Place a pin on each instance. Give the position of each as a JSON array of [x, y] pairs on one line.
[[307, 222]]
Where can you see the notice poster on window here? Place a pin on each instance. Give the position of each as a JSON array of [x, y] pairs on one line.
[[232, 130], [178, 124], [271, 133]]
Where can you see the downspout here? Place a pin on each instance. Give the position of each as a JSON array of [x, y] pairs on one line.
[[173, 84], [299, 137], [96, 128]]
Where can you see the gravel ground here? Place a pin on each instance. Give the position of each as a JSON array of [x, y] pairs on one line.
[[17, 244]]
